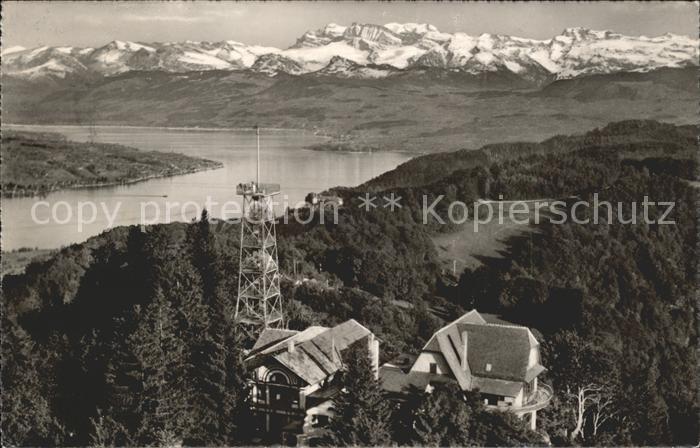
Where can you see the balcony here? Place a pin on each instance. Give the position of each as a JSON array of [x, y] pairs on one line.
[[257, 189], [540, 399], [286, 407]]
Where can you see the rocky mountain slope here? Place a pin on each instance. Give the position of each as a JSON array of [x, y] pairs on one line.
[[357, 50]]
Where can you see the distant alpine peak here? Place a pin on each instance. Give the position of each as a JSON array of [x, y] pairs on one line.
[[333, 29], [372, 50], [127, 45], [13, 49], [404, 28], [372, 34], [581, 33], [341, 61], [339, 64], [341, 67]]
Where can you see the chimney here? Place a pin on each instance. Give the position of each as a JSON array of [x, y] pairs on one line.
[[465, 343], [373, 347], [334, 355], [290, 345]]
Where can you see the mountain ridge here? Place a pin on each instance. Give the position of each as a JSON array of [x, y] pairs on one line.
[[421, 111], [572, 53]]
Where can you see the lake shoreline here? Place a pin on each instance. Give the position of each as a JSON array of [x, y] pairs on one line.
[[329, 146], [284, 160], [323, 147], [169, 128], [97, 185], [36, 164]]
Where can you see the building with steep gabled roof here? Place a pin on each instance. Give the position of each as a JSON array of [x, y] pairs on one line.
[[292, 384], [501, 361]]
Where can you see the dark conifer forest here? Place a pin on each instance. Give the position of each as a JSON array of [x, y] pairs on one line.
[[129, 338]]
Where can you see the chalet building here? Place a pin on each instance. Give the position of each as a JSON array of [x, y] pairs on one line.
[[293, 373], [324, 200], [501, 361]]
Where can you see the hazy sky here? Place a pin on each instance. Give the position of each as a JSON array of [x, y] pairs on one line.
[[279, 24]]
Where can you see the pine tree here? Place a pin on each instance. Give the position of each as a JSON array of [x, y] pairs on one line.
[[123, 385], [649, 410], [362, 413], [120, 421], [161, 355], [403, 416], [146, 372], [444, 418], [105, 431], [503, 428], [208, 351], [236, 412], [26, 415]]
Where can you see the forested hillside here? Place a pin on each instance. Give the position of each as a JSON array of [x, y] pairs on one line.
[[108, 326], [617, 307], [644, 136]]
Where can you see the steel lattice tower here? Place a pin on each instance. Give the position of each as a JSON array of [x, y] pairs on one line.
[[259, 302]]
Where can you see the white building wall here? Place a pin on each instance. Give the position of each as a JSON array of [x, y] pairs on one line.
[[518, 402], [260, 373], [534, 357], [305, 391], [373, 347], [422, 363]]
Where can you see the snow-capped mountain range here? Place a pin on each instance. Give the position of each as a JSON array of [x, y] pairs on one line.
[[371, 51]]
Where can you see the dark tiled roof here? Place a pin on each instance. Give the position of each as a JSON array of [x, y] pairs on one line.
[[496, 387], [316, 352], [404, 361], [505, 348], [533, 372], [343, 335], [269, 336], [393, 379], [494, 352], [450, 345], [471, 317]]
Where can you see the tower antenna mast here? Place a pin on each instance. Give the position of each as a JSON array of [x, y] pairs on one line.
[[259, 301]]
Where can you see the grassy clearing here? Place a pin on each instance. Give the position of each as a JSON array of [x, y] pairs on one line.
[[464, 248], [14, 262]]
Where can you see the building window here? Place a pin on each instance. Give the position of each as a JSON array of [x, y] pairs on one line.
[[493, 400], [322, 420], [433, 367], [488, 367], [277, 378], [529, 389]]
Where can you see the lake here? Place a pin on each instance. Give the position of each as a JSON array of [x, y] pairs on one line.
[[53, 221]]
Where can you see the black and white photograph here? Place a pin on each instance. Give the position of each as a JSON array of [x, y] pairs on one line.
[[365, 224]]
